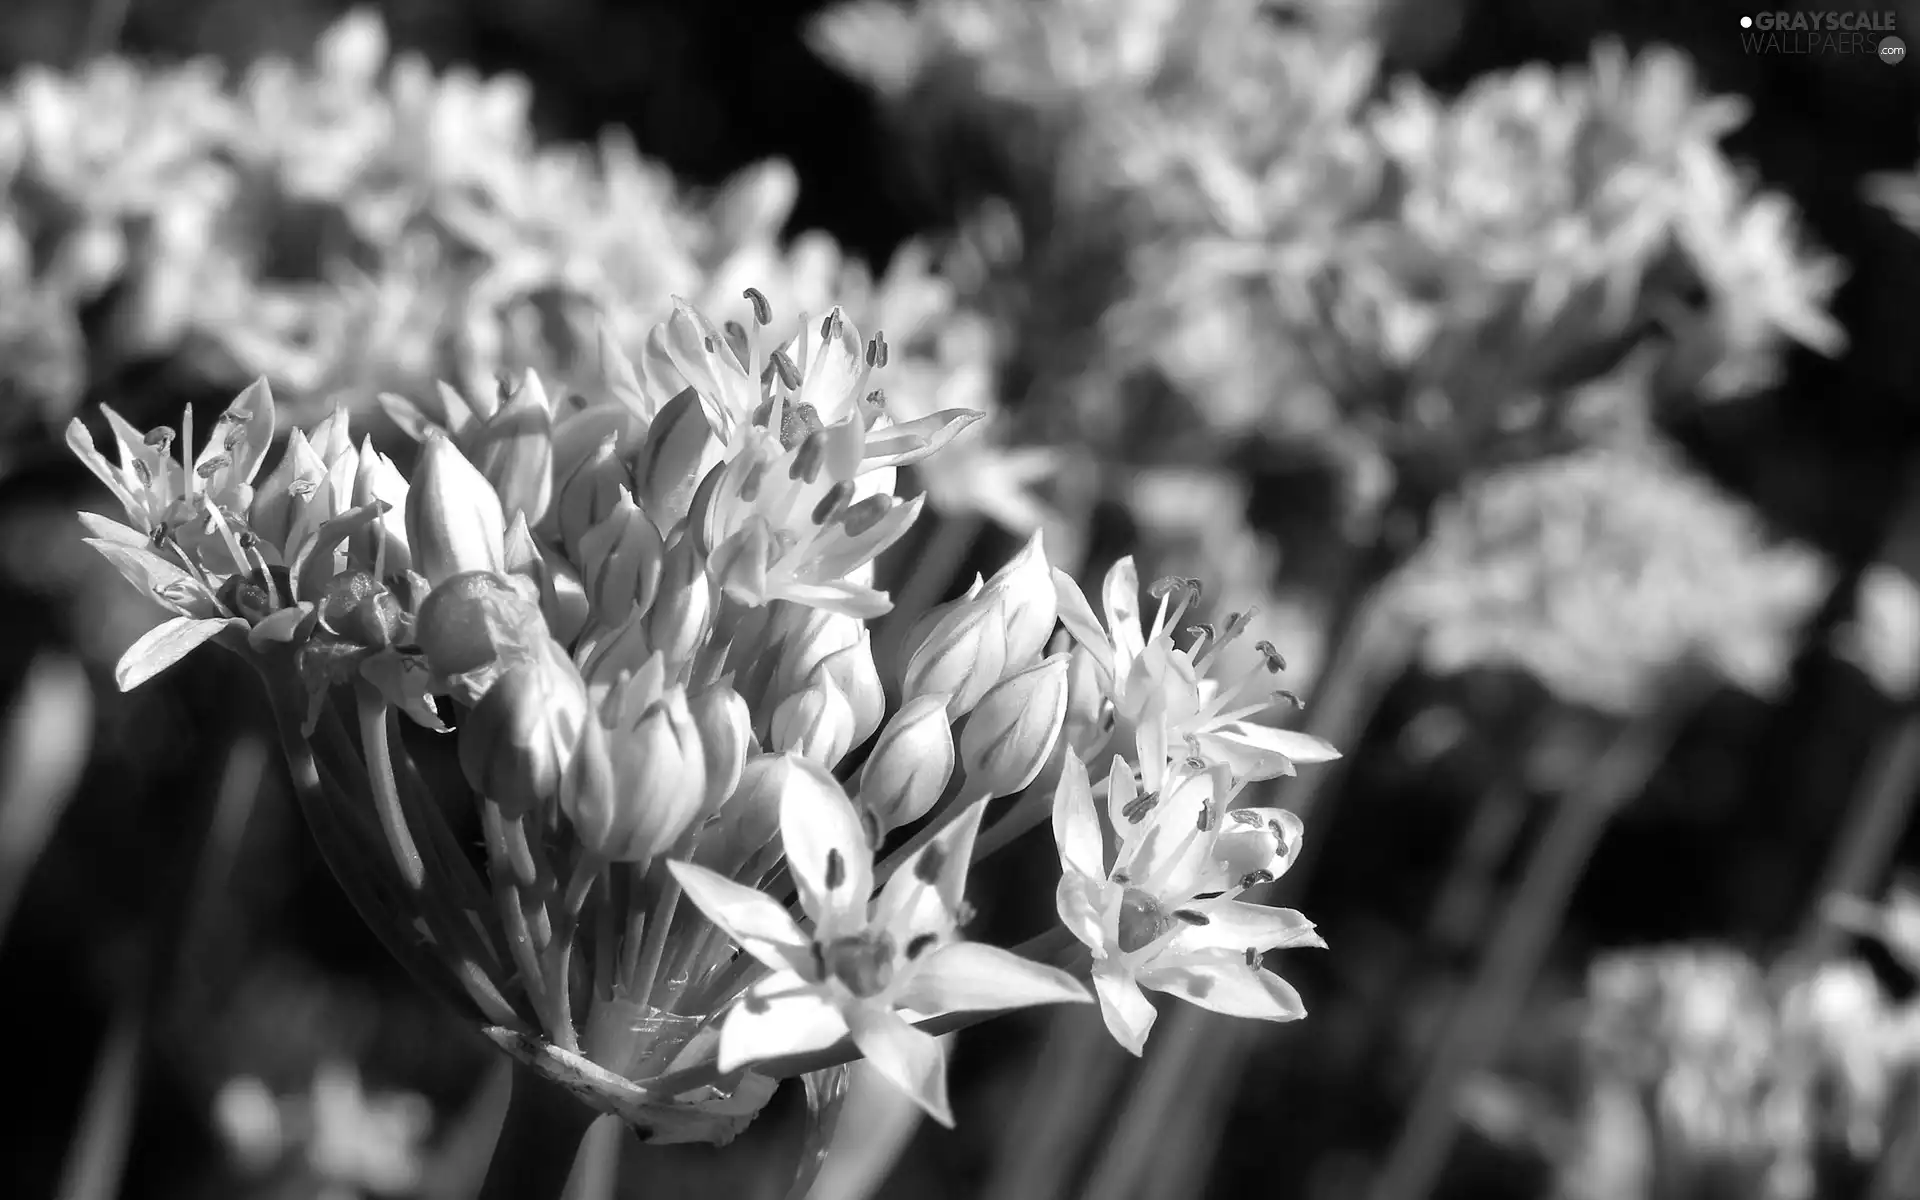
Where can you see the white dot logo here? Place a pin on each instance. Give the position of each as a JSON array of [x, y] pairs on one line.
[[1746, 22]]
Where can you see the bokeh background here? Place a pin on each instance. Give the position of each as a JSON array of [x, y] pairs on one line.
[[1545, 372]]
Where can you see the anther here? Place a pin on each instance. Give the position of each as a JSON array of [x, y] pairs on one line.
[[234, 437], [836, 870], [707, 341], [832, 504], [1292, 698], [928, 866], [159, 438], [789, 374], [921, 945], [877, 398], [1205, 822], [1255, 878], [143, 473], [865, 515], [1136, 810], [827, 330], [808, 459], [1253, 957], [1195, 764], [1191, 917], [1245, 816], [762, 309], [1276, 662], [797, 423], [211, 467], [749, 489], [1166, 586]]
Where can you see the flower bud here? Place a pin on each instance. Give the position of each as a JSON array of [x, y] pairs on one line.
[[811, 635], [589, 494], [467, 621], [683, 607], [726, 734], [1090, 723], [617, 651], [748, 821], [1010, 736], [815, 722], [517, 743], [660, 778], [1025, 586], [385, 540], [620, 562], [924, 624], [454, 523], [854, 673], [910, 764], [514, 450], [962, 656], [678, 450]]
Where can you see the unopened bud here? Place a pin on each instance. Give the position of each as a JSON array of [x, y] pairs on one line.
[[454, 523], [854, 673], [660, 775], [726, 735], [683, 608], [620, 561], [517, 743], [1090, 721], [911, 763], [750, 818], [384, 541], [815, 722], [1012, 732], [962, 656], [924, 624], [514, 450], [810, 636], [617, 651], [1025, 586], [589, 494], [678, 451]]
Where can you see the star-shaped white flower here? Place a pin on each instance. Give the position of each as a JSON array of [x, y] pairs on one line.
[[1164, 915], [869, 966], [1141, 670]]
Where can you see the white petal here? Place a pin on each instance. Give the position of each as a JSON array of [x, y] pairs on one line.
[[1125, 1008], [909, 907], [826, 847], [1121, 595], [1076, 825], [164, 645], [1081, 904], [1292, 743], [792, 1018], [1077, 615], [909, 1059], [1228, 986], [753, 919], [975, 977], [1236, 926]]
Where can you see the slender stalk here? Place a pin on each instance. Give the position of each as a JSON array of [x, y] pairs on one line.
[[645, 981], [1881, 808], [386, 793], [520, 943], [543, 1128], [1486, 1013]]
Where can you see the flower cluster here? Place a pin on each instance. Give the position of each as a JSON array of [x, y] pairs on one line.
[[640, 613]]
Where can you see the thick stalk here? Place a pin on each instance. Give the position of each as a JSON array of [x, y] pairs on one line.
[[535, 1153]]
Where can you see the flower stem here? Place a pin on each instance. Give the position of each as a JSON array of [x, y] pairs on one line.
[[513, 914], [644, 982], [538, 1140], [386, 793]]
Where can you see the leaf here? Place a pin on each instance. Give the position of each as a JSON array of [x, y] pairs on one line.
[[164, 645]]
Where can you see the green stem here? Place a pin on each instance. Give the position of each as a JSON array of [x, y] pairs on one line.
[[372, 712], [538, 1140], [644, 982], [520, 943]]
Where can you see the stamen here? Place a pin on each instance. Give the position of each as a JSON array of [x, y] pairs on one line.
[[836, 870], [1244, 816], [921, 945], [762, 308], [213, 466], [1120, 876], [830, 326], [1292, 698], [1276, 662], [798, 423], [234, 437], [1253, 879], [707, 341], [749, 489], [877, 398], [1253, 957], [865, 515], [159, 438], [1191, 917], [1279, 835], [832, 504], [1205, 824]]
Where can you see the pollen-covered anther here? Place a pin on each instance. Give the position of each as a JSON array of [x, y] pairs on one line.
[[160, 438], [749, 489], [863, 964], [1253, 879], [211, 467], [1253, 957], [783, 366], [920, 945], [798, 423], [1276, 662], [1291, 697], [836, 870], [762, 307], [829, 507], [1191, 917], [1205, 823]]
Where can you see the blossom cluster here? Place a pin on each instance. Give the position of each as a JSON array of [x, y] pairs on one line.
[[640, 613], [362, 222]]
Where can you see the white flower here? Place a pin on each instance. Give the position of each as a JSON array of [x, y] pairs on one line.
[[868, 966], [1164, 915]]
